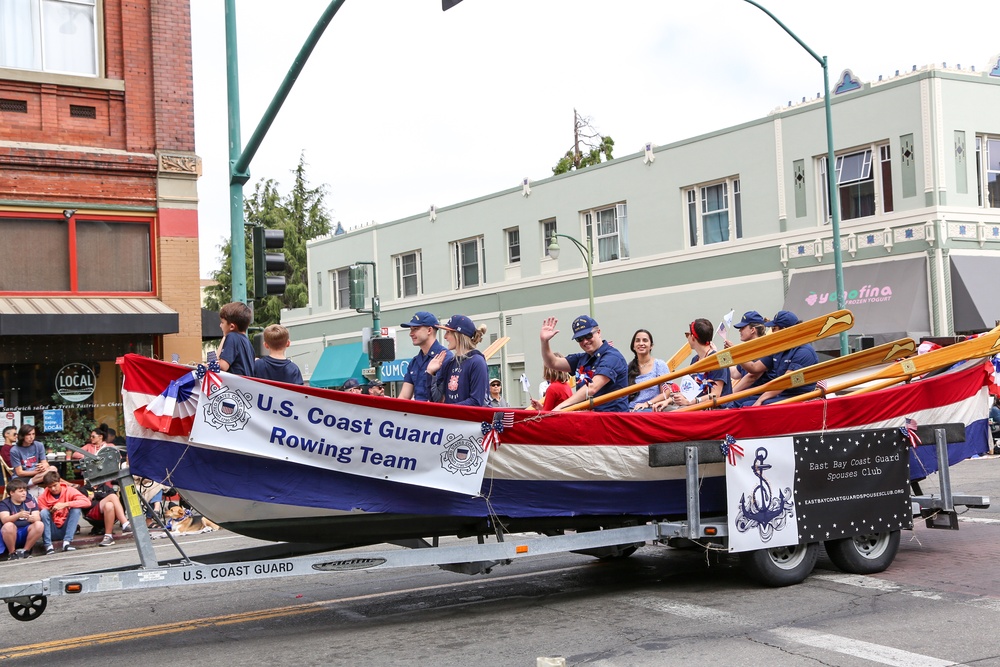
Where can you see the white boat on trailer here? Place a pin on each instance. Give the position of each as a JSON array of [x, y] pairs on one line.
[[332, 469]]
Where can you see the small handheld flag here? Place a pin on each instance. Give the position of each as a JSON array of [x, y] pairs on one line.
[[726, 324]]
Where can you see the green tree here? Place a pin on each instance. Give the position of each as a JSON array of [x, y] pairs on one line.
[[589, 146], [302, 215]]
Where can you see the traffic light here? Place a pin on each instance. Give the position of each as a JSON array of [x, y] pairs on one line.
[[268, 262], [357, 279], [382, 349]]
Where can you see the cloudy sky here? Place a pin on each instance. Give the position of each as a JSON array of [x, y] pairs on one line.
[[402, 106]]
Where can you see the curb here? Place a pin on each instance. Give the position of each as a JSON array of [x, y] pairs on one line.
[[86, 541]]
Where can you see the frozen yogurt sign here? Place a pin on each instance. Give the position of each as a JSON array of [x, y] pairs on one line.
[[854, 297], [75, 382]]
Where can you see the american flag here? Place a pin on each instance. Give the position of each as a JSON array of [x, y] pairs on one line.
[[909, 429], [210, 381], [492, 431], [731, 449], [725, 323]]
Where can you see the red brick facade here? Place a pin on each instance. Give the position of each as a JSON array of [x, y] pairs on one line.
[[121, 143]]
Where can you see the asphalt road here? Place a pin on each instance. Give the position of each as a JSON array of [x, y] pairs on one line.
[[937, 605]]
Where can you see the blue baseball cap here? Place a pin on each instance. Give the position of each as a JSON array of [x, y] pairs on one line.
[[783, 319], [750, 318], [421, 319], [582, 326], [461, 324], [351, 383]]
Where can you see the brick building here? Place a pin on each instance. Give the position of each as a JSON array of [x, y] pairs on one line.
[[98, 202]]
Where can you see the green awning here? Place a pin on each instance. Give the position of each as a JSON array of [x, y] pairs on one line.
[[337, 364]]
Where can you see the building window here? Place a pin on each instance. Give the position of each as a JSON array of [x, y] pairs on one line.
[[988, 171], [341, 288], [885, 158], [714, 211], [81, 254], [548, 235], [513, 245], [319, 289], [470, 262], [609, 227], [58, 36], [858, 188], [408, 270]]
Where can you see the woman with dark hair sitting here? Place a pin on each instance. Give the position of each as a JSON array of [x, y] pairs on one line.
[[644, 367]]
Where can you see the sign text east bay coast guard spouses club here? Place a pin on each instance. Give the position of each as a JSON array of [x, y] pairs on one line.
[[253, 418]]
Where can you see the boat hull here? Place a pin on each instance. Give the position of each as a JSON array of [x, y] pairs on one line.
[[552, 472]]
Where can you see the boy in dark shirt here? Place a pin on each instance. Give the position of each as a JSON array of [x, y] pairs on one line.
[[236, 352], [20, 520], [275, 366]]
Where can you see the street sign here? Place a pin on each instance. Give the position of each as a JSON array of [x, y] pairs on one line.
[[368, 373]]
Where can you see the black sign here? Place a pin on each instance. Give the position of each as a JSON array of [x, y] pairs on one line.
[[851, 483]]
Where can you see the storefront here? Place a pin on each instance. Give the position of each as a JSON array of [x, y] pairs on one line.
[[57, 360], [889, 299]]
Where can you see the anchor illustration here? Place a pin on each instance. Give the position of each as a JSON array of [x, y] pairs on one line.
[[763, 511]]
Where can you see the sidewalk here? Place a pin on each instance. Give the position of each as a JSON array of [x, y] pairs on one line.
[[83, 540]]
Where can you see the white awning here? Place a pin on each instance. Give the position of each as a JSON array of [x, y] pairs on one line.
[[40, 316]]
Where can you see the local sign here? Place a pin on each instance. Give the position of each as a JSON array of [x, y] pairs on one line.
[[75, 382]]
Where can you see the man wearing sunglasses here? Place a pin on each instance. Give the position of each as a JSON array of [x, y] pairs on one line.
[[599, 368]]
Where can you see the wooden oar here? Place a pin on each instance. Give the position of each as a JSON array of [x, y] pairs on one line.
[[495, 346], [679, 357], [778, 341], [883, 354], [984, 346]]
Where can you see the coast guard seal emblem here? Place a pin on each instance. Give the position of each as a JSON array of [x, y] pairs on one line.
[[228, 409], [463, 456]]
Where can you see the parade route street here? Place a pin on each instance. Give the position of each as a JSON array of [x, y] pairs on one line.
[[937, 605]]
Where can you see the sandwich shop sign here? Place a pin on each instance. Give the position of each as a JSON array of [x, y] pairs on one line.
[[75, 382]]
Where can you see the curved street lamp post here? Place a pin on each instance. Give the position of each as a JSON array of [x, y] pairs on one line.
[[838, 263], [588, 256]]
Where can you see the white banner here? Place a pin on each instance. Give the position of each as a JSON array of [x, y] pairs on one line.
[[760, 495], [253, 418]]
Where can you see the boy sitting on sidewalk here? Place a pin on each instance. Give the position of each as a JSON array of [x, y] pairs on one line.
[[62, 508], [20, 522]]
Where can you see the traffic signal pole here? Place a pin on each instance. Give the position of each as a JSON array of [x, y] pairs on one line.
[[239, 160]]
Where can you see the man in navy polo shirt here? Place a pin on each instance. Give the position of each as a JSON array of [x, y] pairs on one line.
[[787, 361], [423, 334], [599, 369], [750, 327]]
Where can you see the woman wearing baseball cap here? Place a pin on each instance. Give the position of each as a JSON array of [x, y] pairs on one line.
[[464, 379]]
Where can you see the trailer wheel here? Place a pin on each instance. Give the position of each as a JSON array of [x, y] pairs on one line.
[[28, 611], [780, 566], [864, 554]]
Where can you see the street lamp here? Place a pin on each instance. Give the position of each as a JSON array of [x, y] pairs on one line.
[[838, 264], [588, 257]]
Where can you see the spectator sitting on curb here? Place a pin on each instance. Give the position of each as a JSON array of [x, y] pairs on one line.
[[62, 508], [20, 521], [105, 509], [27, 459]]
